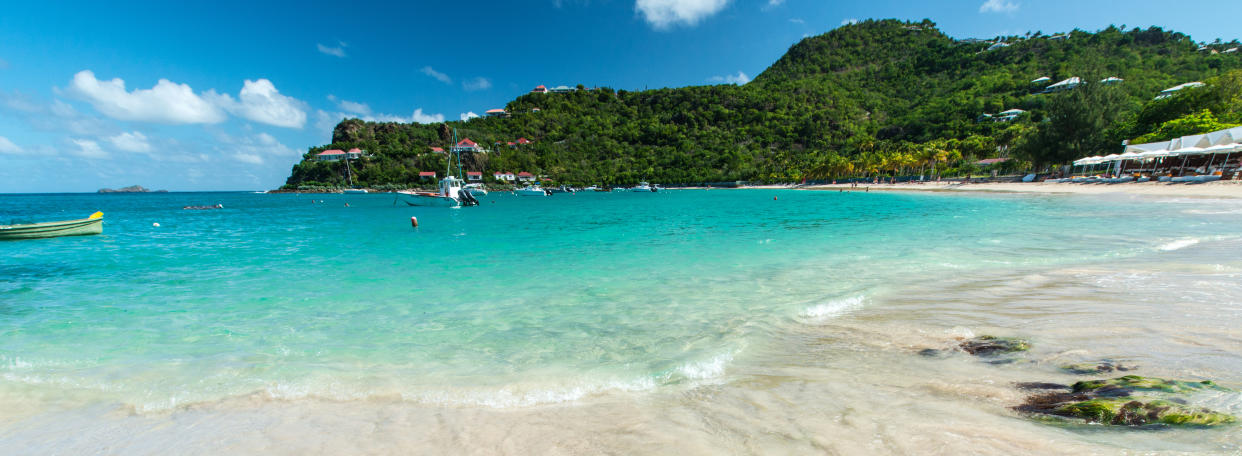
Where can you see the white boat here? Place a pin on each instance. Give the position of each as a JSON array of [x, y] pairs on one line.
[[531, 190], [641, 187], [449, 195], [476, 189]]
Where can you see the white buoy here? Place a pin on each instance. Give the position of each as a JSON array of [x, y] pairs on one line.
[[156, 224], [414, 222]]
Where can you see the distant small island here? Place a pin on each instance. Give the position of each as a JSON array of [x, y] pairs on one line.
[[130, 189]]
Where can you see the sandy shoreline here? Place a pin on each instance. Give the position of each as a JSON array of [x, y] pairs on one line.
[[1226, 189]]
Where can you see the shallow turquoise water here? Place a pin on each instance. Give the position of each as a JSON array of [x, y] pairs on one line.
[[520, 301]]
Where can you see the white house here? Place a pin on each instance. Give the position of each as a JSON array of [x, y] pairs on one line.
[[1230, 51], [1041, 80], [562, 89], [427, 175], [466, 146], [496, 113], [1068, 84], [998, 46], [1010, 115], [503, 177], [1112, 80], [331, 155], [525, 177], [1166, 93], [474, 176], [355, 153], [539, 89]]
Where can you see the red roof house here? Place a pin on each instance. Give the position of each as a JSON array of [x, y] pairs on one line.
[[331, 155], [524, 141], [540, 89], [474, 176], [437, 150], [431, 174]]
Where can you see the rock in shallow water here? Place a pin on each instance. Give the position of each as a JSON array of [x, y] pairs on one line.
[[991, 345], [1128, 401], [1102, 367]]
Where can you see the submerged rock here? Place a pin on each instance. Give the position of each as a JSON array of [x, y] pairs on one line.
[[1131, 383], [1128, 401], [992, 345], [1102, 367]]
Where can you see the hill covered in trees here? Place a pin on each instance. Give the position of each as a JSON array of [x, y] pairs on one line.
[[878, 97]]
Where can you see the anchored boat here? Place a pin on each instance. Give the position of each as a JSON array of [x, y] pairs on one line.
[[450, 194], [80, 227]]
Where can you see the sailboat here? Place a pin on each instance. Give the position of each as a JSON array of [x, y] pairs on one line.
[[451, 192]]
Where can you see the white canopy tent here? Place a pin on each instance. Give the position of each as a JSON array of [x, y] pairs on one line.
[[1227, 141]]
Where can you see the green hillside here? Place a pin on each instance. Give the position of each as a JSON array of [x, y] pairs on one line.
[[876, 97]]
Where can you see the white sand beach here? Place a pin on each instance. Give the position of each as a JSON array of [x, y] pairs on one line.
[[1220, 189]]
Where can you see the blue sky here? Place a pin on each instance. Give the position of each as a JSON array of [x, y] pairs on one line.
[[227, 95]]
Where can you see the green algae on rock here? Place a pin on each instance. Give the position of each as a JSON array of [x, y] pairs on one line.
[[992, 345], [1128, 401], [1121, 386]]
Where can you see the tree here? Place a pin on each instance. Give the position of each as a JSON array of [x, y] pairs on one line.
[[1078, 125]]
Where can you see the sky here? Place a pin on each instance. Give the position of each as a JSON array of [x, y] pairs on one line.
[[228, 95]]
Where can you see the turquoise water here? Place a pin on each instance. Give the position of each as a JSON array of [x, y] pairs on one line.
[[519, 302]]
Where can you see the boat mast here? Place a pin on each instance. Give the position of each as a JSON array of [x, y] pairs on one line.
[[349, 175], [460, 174]]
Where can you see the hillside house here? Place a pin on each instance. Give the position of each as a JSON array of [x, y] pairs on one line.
[[330, 155], [1166, 93]]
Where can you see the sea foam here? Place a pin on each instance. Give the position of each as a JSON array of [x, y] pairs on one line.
[[1178, 244]]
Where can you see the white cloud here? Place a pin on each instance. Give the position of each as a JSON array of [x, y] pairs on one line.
[[130, 142], [998, 6], [338, 51], [740, 78], [797, 21], [259, 101], [7, 147], [775, 2], [468, 115], [662, 14], [849, 21], [429, 71], [253, 149], [166, 102], [88, 149], [479, 83]]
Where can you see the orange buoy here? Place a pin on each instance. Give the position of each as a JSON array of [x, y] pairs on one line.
[[414, 222]]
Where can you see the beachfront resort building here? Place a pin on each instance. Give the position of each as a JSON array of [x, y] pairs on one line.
[[330, 155], [1166, 93]]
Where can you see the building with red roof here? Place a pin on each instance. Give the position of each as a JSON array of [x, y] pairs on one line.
[[525, 176], [427, 174], [474, 176], [540, 89], [467, 146], [355, 153], [496, 113], [331, 155], [524, 141]]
